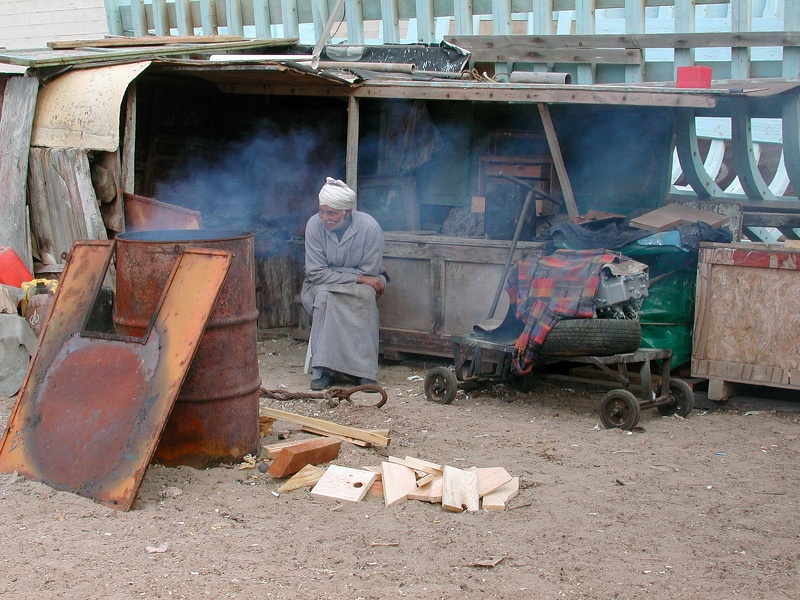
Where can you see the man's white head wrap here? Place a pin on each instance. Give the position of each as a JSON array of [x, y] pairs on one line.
[[336, 194]]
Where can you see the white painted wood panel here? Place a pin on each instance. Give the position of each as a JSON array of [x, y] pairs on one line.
[[33, 23]]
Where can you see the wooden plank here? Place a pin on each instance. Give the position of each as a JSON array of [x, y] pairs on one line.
[[398, 483], [423, 465], [150, 40], [272, 450], [376, 489], [16, 122], [344, 483], [327, 426], [498, 499], [672, 215], [431, 492], [490, 48], [305, 477], [312, 452], [351, 153], [558, 161], [490, 478], [460, 490], [343, 438]]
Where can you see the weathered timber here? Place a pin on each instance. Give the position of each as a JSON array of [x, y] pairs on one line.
[[16, 123]]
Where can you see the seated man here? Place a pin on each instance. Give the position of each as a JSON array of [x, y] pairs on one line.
[[344, 277]]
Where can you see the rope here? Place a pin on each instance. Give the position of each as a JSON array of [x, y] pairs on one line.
[[329, 394]]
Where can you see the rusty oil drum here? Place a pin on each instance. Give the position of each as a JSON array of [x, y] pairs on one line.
[[215, 418]]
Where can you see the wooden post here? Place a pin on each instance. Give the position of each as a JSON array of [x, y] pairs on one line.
[[291, 27], [139, 18], [351, 160], [355, 21], [16, 124], [208, 17], [558, 161], [391, 21], [113, 18], [160, 17]]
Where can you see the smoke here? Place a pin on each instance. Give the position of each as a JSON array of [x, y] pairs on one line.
[[266, 183]]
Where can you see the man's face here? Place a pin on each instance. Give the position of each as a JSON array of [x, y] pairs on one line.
[[331, 217]]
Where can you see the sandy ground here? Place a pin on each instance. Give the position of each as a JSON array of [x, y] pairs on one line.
[[703, 507]]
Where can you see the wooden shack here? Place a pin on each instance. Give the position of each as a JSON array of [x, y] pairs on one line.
[[248, 144]]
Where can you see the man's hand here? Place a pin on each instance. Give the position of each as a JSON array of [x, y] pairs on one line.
[[376, 282]]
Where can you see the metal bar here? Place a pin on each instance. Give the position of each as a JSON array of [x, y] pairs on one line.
[[511, 250], [535, 190]]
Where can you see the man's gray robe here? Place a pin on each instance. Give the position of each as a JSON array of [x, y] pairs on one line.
[[344, 327]]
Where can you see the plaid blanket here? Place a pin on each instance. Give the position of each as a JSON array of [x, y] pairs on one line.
[[562, 285]]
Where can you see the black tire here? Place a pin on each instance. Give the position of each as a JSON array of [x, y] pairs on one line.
[[683, 397], [620, 409], [522, 383], [592, 337], [441, 385]]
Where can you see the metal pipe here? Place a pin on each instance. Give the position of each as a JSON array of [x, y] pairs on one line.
[[539, 77], [408, 69], [507, 266], [535, 190]]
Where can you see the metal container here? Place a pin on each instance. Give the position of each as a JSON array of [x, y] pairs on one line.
[[215, 418]]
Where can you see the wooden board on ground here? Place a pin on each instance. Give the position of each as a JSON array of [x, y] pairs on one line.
[[490, 478], [423, 465], [327, 426], [498, 499], [672, 215], [376, 489], [398, 482], [312, 452], [305, 477], [344, 483], [432, 492], [460, 490], [272, 450]]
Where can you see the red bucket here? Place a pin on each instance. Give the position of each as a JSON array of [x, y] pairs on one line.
[[12, 270], [693, 77]]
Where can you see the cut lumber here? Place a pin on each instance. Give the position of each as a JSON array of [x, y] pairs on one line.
[[423, 481], [344, 483], [460, 490], [312, 452], [376, 489], [272, 450], [374, 469], [305, 477], [423, 465], [327, 426], [149, 40], [491, 478], [672, 215], [498, 499], [344, 438], [398, 482], [431, 492]]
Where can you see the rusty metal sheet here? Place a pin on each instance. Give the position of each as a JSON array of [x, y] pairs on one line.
[[93, 406], [80, 109]]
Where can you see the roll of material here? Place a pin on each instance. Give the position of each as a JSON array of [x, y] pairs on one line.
[[539, 77]]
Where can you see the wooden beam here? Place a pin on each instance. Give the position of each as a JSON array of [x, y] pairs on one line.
[[311, 452], [352, 432], [431, 492], [694, 171], [351, 158], [16, 123], [145, 40], [558, 161]]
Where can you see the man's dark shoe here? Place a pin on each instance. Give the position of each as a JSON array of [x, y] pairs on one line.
[[323, 382], [365, 381]]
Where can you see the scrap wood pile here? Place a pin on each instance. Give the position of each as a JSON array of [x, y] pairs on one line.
[[395, 479]]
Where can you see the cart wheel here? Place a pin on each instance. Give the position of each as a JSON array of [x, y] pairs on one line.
[[683, 397], [522, 383], [441, 385], [620, 409]]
